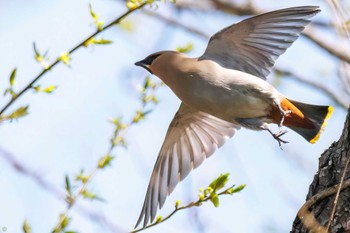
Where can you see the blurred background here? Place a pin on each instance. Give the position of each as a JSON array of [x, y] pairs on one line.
[[68, 130]]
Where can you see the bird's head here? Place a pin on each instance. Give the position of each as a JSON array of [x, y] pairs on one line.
[[151, 62]]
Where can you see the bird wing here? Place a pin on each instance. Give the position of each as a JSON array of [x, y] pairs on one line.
[[253, 45], [192, 137]]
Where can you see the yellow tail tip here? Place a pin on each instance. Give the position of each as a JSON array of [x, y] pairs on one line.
[[330, 111]]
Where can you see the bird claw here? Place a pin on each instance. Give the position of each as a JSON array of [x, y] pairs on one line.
[[278, 136]]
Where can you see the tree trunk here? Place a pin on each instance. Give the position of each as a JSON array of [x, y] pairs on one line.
[[331, 167]]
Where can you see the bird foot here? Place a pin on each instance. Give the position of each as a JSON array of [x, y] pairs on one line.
[[278, 136]]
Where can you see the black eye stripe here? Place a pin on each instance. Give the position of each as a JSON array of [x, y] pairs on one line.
[[151, 58]]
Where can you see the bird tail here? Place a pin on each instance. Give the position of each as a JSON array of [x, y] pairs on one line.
[[306, 119]]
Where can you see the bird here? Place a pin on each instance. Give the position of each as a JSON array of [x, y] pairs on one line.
[[226, 89]]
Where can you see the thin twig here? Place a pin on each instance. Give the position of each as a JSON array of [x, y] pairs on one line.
[[28, 172], [192, 204], [74, 199], [307, 218], [338, 192], [317, 85], [54, 190], [58, 60], [337, 51], [178, 24]]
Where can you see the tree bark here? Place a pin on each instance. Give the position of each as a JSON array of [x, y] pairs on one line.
[[331, 168]]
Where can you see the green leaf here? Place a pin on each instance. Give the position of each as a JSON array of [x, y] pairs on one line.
[[92, 13], [101, 41], [37, 88], [26, 227], [89, 195], [38, 56], [140, 115], [185, 49], [201, 196], [42, 59], [132, 4], [219, 182], [147, 83], [65, 58], [18, 113], [208, 190], [98, 23], [49, 89], [177, 204], [117, 121], [37, 53], [82, 177], [88, 42], [68, 186], [65, 221], [13, 76], [119, 140], [215, 199], [105, 161], [239, 188], [150, 98], [159, 219], [11, 92]]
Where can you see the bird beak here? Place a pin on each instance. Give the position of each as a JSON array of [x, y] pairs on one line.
[[139, 63], [143, 65]]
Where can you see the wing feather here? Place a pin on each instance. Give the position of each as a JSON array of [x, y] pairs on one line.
[[254, 44], [192, 136]]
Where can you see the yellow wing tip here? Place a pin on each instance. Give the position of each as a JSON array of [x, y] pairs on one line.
[[330, 111]]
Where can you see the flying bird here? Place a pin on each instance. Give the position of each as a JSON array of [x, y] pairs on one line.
[[226, 89]]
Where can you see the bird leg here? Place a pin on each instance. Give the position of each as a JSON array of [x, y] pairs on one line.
[[260, 124], [283, 114], [277, 136]]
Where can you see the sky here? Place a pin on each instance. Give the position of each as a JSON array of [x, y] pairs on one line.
[[68, 131]]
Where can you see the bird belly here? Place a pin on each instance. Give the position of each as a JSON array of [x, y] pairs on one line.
[[227, 103], [232, 104]]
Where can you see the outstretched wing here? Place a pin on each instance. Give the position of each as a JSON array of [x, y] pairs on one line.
[[192, 137], [253, 45]]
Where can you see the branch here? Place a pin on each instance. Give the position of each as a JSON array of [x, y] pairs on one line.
[[178, 24], [334, 160], [53, 190], [317, 85], [58, 60], [337, 51], [308, 218], [224, 6], [208, 194], [28, 172]]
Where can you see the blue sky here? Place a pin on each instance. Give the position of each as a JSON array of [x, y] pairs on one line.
[[68, 130]]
